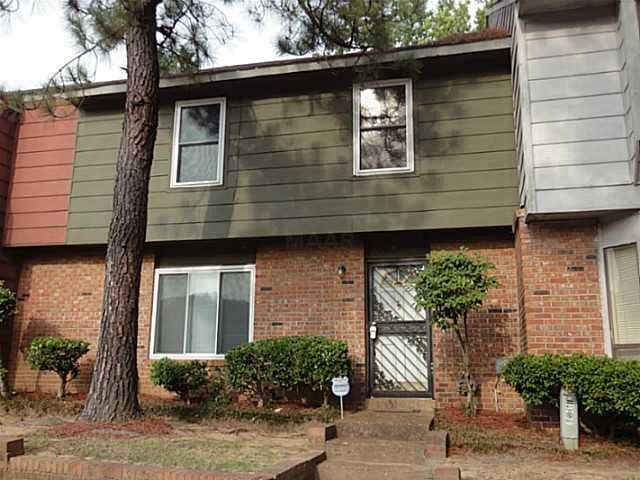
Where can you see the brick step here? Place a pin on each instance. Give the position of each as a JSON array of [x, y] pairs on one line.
[[376, 451], [412, 405], [345, 470], [386, 425]]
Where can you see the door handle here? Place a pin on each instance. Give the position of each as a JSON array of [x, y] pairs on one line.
[[373, 331]]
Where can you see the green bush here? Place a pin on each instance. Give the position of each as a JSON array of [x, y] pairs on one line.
[[7, 308], [59, 355], [7, 302], [608, 390], [286, 363], [536, 378], [190, 380]]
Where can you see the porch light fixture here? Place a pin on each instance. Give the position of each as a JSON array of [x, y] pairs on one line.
[[342, 270]]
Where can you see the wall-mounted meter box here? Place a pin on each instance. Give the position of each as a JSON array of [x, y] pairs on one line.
[[569, 419]]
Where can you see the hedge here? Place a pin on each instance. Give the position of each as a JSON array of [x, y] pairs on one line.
[[288, 364], [608, 390]]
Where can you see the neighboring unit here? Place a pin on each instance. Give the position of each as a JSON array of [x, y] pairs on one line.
[[576, 73]]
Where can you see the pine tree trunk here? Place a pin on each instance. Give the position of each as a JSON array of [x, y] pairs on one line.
[[113, 395]]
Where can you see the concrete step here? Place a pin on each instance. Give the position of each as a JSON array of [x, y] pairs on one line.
[[386, 425], [389, 404], [376, 451], [344, 470]]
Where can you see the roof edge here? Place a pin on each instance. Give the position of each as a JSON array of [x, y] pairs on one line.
[[284, 67]]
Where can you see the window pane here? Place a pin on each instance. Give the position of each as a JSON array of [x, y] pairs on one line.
[[234, 314], [383, 106], [200, 123], [172, 297], [198, 163], [203, 309], [383, 148], [624, 293]]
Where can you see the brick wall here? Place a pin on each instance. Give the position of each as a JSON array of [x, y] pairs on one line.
[[560, 307], [60, 293], [298, 292], [548, 301], [494, 330]]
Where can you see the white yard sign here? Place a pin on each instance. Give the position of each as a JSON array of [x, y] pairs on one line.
[[340, 388]]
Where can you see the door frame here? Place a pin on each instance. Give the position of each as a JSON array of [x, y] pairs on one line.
[[370, 264]]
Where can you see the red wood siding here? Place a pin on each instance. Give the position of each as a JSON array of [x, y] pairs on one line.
[[38, 201], [8, 272]]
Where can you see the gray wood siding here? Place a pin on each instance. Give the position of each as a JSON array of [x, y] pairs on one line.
[[578, 124], [288, 169]]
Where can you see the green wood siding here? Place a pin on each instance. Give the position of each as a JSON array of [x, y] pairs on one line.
[[288, 168]]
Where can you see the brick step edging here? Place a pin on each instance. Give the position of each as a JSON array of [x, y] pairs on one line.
[[51, 467]]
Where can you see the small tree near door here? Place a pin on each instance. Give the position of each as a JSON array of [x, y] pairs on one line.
[[451, 286]]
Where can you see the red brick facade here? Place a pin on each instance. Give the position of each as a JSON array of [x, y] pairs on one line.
[[299, 292], [494, 331], [60, 293], [559, 287], [548, 301]]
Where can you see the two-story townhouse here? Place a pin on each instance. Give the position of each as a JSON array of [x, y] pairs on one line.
[[576, 78], [286, 198]]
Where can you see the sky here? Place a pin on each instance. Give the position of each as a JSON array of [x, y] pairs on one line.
[[34, 43]]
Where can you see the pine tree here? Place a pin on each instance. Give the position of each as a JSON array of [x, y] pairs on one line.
[[172, 35]]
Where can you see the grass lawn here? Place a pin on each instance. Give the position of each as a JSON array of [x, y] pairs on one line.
[[197, 448], [171, 435]]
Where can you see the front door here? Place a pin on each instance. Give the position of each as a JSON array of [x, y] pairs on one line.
[[399, 350]]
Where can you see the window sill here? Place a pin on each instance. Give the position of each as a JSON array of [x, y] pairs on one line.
[[385, 171], [187, 356], [196, 184]]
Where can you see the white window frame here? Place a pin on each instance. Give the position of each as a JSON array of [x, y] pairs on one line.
[[608, 287], [175, 142], [408, 90], [182, 270]]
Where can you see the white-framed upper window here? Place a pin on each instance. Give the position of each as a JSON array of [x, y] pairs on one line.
[[383, 127], [197, 157], [201, 312]]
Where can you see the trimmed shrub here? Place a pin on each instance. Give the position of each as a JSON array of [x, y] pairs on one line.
[[317, 360], [608, 390], [536, 378], [187, 379], [286, 363], [59, 355]]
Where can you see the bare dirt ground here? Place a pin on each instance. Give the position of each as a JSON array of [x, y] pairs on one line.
[[526, 467], [505, 447]]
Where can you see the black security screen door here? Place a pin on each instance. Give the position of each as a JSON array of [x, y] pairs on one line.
[[399, 336]]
